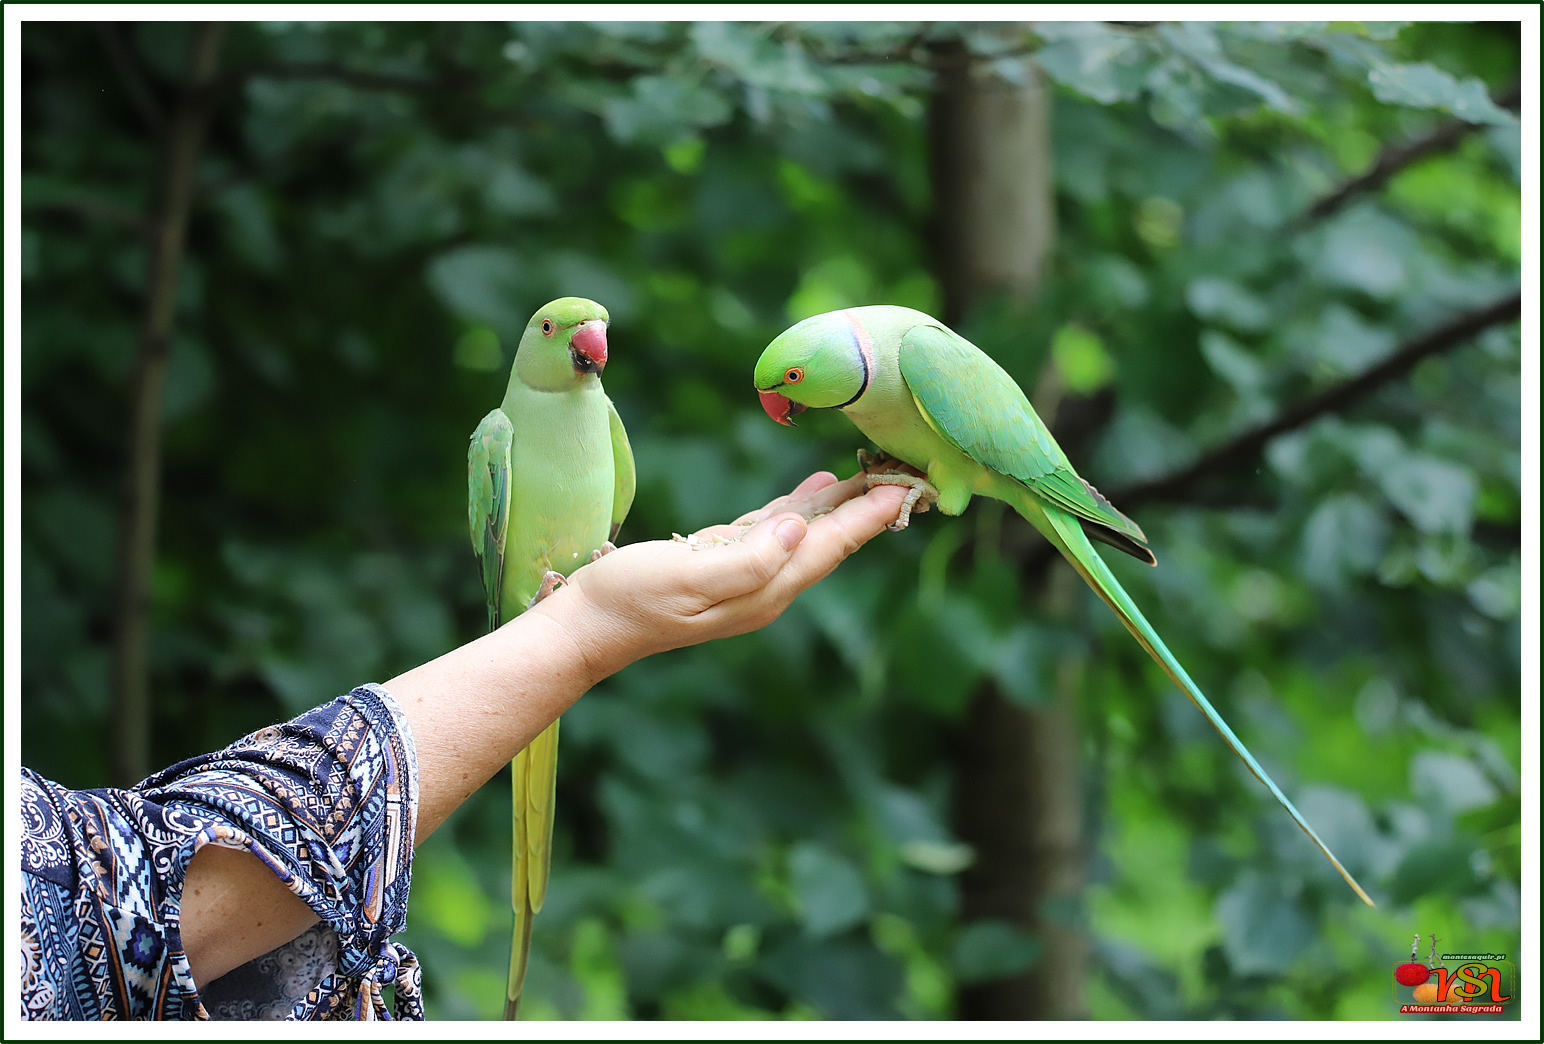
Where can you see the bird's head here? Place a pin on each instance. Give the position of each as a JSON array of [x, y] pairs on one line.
[[826, 360], [563, 344]]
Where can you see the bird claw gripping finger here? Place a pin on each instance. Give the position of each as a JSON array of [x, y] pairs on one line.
[[868, 461], [921, 497], [603, 550], [550, 581]]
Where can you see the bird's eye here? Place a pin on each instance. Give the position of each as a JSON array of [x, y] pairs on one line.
[[794, 375], [546, 327]]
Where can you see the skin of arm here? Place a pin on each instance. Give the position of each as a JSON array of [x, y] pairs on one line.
[[471, 709]]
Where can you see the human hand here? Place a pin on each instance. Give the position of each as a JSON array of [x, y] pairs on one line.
[[664, 594]]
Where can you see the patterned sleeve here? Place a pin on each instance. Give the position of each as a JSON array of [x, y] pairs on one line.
[[327, 802]]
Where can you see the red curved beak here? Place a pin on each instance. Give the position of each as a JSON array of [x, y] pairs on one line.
[[589, 346], [780, 407]]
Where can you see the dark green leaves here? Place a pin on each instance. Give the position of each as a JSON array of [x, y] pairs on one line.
[[827, 888], [1422, 85], [764, 827], [992, 949]]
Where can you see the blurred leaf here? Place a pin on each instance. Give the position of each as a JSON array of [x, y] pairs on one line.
[[1232, 362], [1346, 536], [1434, 868], [484, 283], [829, 890], [479, 350], [937, 857], [838, 282], [1160, 221], [991, 949], [1106, 64], [1450, 781], [446, 893], [843, 979], [513, 191], [662, 107], [1436, 495], [1081, 357], [595, 967], [250, 225], [711, 1002], [1421, 85], [1364, 251], [1227, 303], [1498, 591], [1263, 929], [685, 156]]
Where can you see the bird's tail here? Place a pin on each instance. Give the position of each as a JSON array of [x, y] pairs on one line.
[[519, 957], [534, 780], [1068, 536]]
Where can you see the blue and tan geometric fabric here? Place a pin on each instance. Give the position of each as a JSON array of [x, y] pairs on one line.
[[328, 801]]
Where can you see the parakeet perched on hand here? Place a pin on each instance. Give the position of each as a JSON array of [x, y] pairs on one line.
[[933, 400], [550, 477]]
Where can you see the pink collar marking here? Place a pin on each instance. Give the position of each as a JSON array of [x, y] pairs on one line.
[[865, 345]]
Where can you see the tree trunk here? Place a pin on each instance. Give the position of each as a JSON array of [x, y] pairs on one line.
[[993, 209], [181, 144], [1017, 781]]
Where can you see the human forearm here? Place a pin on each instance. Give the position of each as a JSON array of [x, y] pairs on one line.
[[473, 708]]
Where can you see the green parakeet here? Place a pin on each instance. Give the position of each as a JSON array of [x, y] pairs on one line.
[[930, 398], [550, 477]]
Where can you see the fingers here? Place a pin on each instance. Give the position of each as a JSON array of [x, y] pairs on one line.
[[819, 480], [828, 541], [827, 497], [808, 487], [837, 535], [714, 591], [719, 574]]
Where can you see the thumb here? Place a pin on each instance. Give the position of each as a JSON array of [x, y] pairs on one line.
[[751, 562]]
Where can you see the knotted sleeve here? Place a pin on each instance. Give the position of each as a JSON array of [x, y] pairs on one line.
[[327, 801]]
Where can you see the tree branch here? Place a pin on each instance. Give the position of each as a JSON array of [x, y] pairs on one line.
[[183, 140], [1396, 158], [902, 52], [1444, 338]]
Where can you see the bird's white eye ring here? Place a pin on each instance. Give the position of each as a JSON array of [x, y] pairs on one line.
[[794, 375], [546, 327]]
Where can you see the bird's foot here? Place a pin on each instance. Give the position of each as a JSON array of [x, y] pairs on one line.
[[604, 549], [869, 461], [922, 494], [550, 581]]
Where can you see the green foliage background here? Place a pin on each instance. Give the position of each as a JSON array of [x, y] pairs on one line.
[[759, 828]]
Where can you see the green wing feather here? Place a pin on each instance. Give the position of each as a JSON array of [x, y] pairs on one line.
[[975, 405], [626, 473], [488, 473]]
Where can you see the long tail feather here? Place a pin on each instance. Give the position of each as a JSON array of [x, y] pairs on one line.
[[519, 899], [534, 781], [1073, 543], [520, 955]]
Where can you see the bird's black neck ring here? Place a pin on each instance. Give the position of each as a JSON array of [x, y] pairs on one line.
[[862, 358]]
